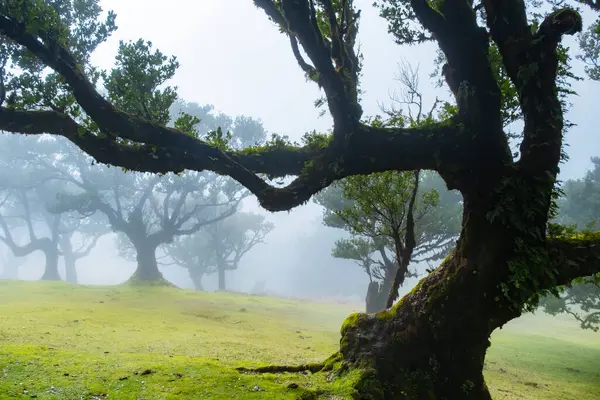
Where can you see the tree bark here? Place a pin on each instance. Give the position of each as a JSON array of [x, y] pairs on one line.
[[432, 343], [51, 267]]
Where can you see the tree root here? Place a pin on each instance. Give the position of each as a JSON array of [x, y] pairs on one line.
[[328, 365], [275, 369]]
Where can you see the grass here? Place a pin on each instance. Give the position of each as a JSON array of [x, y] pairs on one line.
[[61, 341]]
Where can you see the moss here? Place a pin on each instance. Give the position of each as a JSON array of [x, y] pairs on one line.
[[367, 386], [352, 320], [333, 362]]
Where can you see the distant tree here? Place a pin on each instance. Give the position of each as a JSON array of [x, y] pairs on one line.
[[391, 223], [148, 211], [579, 207], [28, 182], [219, 247], [580, 203]]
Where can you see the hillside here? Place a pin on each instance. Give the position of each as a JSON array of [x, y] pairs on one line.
[[63, 341]]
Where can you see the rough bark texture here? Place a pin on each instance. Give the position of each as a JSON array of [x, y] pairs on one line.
[[432, 344]]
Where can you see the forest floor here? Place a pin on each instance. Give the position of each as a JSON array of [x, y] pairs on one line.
[[61, 341]]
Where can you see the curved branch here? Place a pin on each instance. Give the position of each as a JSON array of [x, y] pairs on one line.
[[437, 147]]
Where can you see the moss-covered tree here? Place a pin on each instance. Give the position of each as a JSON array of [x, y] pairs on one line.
[[432, 343]]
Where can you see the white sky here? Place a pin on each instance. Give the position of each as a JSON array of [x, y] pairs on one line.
[[233, 57]]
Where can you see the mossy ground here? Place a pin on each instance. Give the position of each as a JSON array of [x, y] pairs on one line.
[[61, 341]]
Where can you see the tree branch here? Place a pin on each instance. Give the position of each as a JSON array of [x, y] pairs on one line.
[[334, 60], [163, 149], [573, 258], [531, 62]]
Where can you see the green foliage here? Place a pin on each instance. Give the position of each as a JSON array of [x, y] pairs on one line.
[[75, 24], [373, 209], [134, 83], [580, 203], [589, 41], [402, 21]]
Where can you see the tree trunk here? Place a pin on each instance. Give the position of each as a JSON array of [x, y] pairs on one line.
[[378, 292], [51, 267], [221, 273], [70, 269], [432, 343], [69, 259], [196, 275], [147, 267]]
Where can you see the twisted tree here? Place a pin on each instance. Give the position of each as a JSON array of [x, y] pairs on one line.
[[432, 343]]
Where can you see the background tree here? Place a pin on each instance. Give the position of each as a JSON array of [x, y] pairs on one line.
[[433, 342], [28, 181], [219, 247], [149, 211], [390, 224], [579, 206]]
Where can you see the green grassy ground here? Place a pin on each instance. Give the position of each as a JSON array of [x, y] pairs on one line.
[[60, 341]]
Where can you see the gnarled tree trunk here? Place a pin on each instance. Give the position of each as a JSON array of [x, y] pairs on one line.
[[432, 344]]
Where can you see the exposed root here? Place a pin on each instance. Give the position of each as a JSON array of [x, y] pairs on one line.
[[313, 368], [276, 369]]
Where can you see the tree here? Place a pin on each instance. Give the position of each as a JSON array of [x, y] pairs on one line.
[[219, 247], [390, 222], [148, 210], [28, 181], [433, 342], [580, 203], [579, 206]]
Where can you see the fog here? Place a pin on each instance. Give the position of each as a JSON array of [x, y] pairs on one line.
[[233, 57]]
